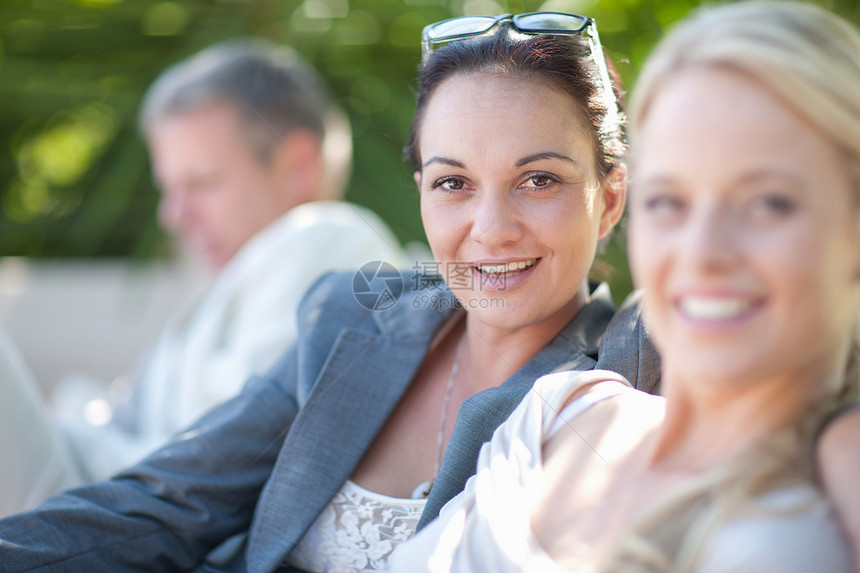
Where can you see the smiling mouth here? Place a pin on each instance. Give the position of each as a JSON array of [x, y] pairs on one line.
[[498, 270], [714, 308]]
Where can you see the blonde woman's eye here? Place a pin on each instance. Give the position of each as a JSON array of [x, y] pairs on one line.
[[773, 205], [663, 205]]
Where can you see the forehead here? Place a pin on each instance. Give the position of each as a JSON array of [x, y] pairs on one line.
[[204, 136], [486, 113], [719, 122], [218, 121]]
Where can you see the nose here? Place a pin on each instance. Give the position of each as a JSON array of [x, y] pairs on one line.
[[496, 220], [172, 209], [710, 241]]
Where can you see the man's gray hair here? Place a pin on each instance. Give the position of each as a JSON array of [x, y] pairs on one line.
[[274, 91]]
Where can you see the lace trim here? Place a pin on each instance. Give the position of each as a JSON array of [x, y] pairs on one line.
[[357, 531]]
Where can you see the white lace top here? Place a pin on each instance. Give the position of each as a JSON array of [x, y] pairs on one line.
[[357, 531]]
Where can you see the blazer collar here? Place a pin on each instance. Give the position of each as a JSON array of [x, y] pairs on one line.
[[424, 296], [575, 346]]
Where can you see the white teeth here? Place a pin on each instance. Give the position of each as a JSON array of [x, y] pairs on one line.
[[711, 308], [506, 268]]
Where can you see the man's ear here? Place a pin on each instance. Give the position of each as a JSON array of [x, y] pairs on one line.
[[298, 161], [614, 191]]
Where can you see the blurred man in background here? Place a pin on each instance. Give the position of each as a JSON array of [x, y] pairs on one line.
[[252, 159]]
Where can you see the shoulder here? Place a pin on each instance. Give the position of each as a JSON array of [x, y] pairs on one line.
[[335, 215], [561, 388], [627, 348], [594, 403], [379, 299], [331, 300], [841, 432], [792, 530], [838, 458]]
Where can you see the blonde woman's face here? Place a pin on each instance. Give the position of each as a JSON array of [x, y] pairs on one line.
[[743, 233]]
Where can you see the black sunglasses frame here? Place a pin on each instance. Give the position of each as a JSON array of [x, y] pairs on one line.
[[518, 21]]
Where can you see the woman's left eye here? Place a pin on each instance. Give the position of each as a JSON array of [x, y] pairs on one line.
[[539, 181]]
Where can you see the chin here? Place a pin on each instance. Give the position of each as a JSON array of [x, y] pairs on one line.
[[502, 317]]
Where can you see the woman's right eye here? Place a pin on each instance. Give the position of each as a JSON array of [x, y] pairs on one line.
[[449, 184]]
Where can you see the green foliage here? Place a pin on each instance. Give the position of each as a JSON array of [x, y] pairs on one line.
[[74, 178]]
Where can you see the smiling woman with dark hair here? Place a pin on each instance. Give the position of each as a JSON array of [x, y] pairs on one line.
[[374, 419]]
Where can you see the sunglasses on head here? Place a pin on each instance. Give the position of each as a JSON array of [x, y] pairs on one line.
[[532, 23], [551, 23]]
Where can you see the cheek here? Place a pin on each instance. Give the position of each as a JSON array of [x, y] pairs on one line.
[[643, 252], [571, 224], [570, 231], [827, 285], [437, 228]]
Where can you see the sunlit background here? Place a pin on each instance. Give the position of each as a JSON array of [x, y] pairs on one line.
[[74, 174], [75, 183]]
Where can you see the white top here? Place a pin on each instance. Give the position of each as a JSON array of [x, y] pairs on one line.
[[487, 526], [357, 531], [243, 322]]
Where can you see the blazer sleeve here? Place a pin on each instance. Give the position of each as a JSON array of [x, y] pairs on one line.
[[170, 510]]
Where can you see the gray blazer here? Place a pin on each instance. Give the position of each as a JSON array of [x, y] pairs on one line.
[[263, 465]]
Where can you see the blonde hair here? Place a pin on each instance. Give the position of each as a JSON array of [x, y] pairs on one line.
[[810, 59], [807, 56]]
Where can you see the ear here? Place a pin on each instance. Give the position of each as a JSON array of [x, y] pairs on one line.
[[417, 177], [614, 191], [298, 163]]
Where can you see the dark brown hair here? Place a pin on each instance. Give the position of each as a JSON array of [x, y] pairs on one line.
[[565, 62]]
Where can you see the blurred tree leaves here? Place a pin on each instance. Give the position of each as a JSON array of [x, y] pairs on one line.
[[74, 177]]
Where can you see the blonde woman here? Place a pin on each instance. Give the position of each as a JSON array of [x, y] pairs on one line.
[[745, 235]]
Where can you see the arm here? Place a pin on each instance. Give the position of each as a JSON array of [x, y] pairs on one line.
[[838, 452], [169, 511]]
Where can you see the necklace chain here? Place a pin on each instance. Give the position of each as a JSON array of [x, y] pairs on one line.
[[425, 491], [454, 370]]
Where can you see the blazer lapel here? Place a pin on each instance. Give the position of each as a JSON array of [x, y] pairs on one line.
[[575, 346], [356, 391]]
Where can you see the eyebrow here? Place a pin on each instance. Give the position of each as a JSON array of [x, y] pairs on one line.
[[771, 173], [545, 155], [445, 161], [524, 161], [746, 178]]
